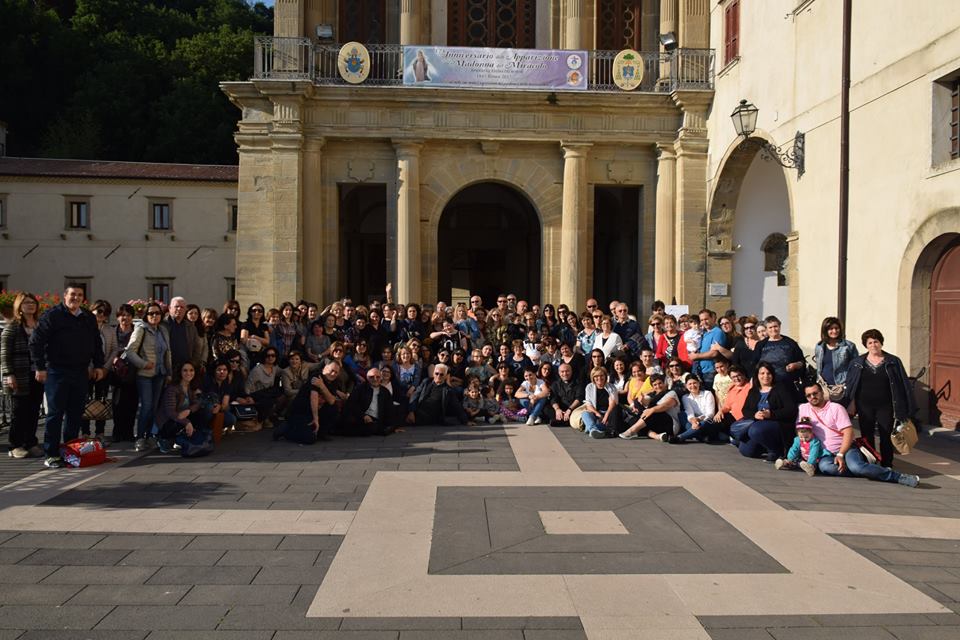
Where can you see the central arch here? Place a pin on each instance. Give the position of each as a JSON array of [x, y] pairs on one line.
[[488, 242]]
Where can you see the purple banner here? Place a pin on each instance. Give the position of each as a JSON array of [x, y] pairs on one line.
[[479, 68]]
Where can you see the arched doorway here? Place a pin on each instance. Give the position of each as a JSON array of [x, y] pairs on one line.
[[944, 339], [488, 242], [363, 241]]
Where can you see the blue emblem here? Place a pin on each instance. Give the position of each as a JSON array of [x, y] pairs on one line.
[[354, 62], [628, 71]]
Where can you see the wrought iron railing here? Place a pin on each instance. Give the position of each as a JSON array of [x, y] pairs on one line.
[[278, 58]]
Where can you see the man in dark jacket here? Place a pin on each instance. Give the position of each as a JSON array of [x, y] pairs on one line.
[[435, 402], [184, 345], [64, 344], [367, 412], [566, 394]]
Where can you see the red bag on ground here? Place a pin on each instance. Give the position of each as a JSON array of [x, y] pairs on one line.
[[83, 453]]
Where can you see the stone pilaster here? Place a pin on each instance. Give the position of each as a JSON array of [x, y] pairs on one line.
[[410, 22], [573, 236], [288, 20], [286, 233], [668, 23], [694, 24], [573, 24], [691, 219], [664, 260], [409, 276], [320, 226]]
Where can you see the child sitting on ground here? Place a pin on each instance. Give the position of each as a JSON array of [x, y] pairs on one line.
[[805, 451], [490, 406], [510, 407]]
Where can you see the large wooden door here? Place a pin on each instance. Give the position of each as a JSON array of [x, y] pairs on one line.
[[618, 24], [509, 24], [945, 337]]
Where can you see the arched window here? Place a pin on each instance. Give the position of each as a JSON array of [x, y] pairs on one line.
[[510, 24], [618, 24], [775, 253]]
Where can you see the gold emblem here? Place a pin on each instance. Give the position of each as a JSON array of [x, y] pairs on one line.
[[354, 62], [628, 70]]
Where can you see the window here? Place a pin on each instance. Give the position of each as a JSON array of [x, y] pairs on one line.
[[954, 119], [775, 254], [3, 211], [160, 219], [731, 32], [78, 213], [231, 288], [3, 282], [362, 21], [160, 291], [492, 23], [234, 216]]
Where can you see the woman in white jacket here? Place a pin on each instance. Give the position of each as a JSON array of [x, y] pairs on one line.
[[700, 407], [606, 340]]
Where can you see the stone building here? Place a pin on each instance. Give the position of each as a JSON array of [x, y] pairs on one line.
[[773, 235], [122, 229], [444, 192]]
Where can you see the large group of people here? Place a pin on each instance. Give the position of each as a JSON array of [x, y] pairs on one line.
[[310, 373]]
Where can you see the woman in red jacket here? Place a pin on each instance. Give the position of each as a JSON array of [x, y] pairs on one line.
[[671, 344]]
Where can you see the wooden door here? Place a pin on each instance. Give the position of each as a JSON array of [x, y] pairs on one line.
[[945, 337], [618, 24], [509, 24]]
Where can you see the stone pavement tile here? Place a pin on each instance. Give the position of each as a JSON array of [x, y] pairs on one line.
[[22, 574], [337, 635], [831, 633], [203, 575], [923, 633], [536, 622], [290, 575], [13, 556], [76, 557], [400, 624], [54, 540], [139, 541], [921, 558], [164, 617], [474, 634], [875, 620], [131, 594], [941, 546], [225, 542], [15, 634], [554, 634], [210, 635], [233, 595], [274, 617], [6, 535], [90, 634], [47, 617], [739, 634], [746, 622], [164, 557], [949, 589], [267, 558], [45, 594], [310, 542], [100, 575], [922, 574]]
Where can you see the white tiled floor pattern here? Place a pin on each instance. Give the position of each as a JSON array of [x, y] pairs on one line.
[[396, 520]]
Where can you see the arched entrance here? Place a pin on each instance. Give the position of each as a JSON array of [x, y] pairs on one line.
[[488, 242], [944, 338], [749, 244], [363, 241]]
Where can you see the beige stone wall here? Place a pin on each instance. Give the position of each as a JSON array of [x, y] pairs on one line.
[[119, 252], [790, 69]]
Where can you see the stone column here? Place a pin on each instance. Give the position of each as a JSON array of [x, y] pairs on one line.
[[286, 197], [410, 22], [664, 261], [409, 277], [694, 24], [668, 23], [573, 253], [573, 24], [316, 237]]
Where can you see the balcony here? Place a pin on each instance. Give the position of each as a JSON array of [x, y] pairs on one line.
[[302, 59]]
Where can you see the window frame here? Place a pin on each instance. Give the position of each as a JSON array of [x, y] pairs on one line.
[[69, 202], [233, 218], [954, 125], [152, 214], [153, 283], [231, 288], [85, 281], [731, 32], [3, 211]]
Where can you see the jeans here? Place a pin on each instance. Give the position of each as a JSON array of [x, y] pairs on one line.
[[708, 429], [26, 413], [148, 389], [706, 379], [762, 437], [857, 467], [66, 391], [738, 430], [537, 407], [874, 419], [592, 423]]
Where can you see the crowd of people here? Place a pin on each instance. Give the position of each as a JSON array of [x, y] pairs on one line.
[[310, 373]]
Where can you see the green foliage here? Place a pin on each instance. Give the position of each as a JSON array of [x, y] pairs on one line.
[[125, 79]]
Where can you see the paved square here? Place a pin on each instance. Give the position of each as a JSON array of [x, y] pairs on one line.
[[566, 523]]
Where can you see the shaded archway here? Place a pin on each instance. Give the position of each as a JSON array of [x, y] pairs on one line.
[[488, 242], [363, 241]]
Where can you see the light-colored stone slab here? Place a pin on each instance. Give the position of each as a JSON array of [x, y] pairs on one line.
[[869, 524], [582, 523]]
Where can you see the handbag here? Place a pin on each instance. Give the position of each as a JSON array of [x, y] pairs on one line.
[[866, 448], [834, 392], [97, 409], [244, 411], [576, 418], [904, 436], [83, 453], [195, 446]]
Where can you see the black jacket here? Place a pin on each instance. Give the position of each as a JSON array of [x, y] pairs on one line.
[[904, 404], [783, 408], [66, 341], [451, 402], [360, 399], [565, 393]]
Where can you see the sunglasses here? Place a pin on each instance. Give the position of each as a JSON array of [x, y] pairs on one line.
[[153, 313], [236, 361], [747, 327], [257, 310], [812, 395]]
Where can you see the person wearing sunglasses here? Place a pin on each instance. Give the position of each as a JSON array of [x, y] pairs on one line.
[[149, 352], [744, 353], [255, 333]]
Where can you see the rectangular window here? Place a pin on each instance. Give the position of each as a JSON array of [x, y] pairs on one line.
[[234, 212], [79, 281], [231, 289], [79, 214], [3, 211], [955, 119], [160, 216], [160, 291], [731, 31]]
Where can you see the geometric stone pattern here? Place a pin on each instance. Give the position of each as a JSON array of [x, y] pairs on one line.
[[498, 530], [563, 523]]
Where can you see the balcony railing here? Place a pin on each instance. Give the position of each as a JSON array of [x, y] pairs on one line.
[[302, 59]]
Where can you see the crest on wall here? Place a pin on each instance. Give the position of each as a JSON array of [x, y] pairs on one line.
[[354, 62], [628, 70]]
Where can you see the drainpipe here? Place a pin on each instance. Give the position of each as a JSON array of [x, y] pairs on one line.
[[844, 166]]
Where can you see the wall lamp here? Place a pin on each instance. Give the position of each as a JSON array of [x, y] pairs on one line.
[[668, 41], [745, 123]]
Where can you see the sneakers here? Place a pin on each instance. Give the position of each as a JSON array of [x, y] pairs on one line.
[[140, 444], [664, 437], [908, 480], [780, 463], [598, 434], [537, 420], [164, 446], [628, 436], [531, 421], [808, 468], [54, 463], [18, 453], [497, 419]]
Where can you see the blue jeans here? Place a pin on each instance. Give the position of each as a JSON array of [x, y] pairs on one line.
[[537, 407], [762, 437], [148, 389], [857, 467], [706, 379], [738, 430], [591, 423], [708, 429], [66, 391]]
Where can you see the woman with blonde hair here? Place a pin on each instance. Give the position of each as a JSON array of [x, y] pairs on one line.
[[19, 382]]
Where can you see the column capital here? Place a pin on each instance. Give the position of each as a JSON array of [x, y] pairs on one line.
[[314, 143], [286, 141], [666, 151], [575, 149], [407, 148]]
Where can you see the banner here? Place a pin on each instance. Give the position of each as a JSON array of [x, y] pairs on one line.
[[479, 68]]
